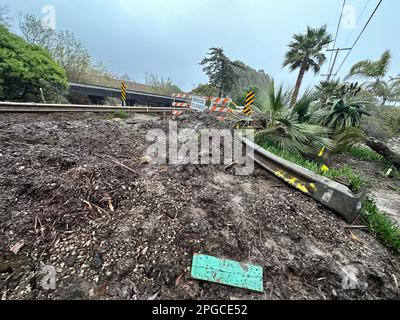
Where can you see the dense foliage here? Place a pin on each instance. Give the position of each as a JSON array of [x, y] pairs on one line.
[[205, 90], [27, 68]]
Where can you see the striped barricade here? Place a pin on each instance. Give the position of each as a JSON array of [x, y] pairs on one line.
[[181, 100], [220, 109], [220, 101], [180, 104], [220, 105]]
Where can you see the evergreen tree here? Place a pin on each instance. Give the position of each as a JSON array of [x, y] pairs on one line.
[[220, 70]]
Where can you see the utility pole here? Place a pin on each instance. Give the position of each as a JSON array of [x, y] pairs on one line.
[[337, 50]]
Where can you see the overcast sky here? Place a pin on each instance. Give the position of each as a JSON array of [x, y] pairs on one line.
[[170, 37]]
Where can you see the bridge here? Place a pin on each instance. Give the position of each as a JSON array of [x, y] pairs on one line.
[[97, 95]]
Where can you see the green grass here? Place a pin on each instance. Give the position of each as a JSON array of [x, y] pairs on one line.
[[121, 114], [345, 173], [381, 226], [378, 223], [365, 154]]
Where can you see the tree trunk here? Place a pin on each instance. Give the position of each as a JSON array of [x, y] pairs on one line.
[[384, 150], [298, 84], [221, 89]]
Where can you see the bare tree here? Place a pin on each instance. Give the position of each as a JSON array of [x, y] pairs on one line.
[[34, 32], [4, 15]]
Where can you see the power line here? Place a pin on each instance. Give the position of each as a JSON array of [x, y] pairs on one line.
[[359, 36], [358, 19], [337, 32]]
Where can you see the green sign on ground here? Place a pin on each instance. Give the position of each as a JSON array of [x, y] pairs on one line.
[[227, 272]]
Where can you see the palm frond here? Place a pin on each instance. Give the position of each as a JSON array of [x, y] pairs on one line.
[[349, 137]]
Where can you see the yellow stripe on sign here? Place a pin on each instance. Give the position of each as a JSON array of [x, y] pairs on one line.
[[247, 112], [123, 91], [249, 101]]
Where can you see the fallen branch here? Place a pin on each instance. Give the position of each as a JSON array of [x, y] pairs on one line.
[[385, 151], [122, 165]]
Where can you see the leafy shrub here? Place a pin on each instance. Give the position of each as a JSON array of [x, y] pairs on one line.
[[25, 68]]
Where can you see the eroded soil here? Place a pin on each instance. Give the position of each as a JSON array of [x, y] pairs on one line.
[[114, 233]]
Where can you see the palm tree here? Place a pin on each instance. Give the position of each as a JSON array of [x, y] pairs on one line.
[[280, 126], [305, 53], [369, 69], [387, 91]]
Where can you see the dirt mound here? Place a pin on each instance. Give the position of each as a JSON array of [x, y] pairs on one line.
[[75, 193]]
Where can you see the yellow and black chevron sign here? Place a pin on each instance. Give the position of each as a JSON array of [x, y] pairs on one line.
[[123, 92], [250, 98]]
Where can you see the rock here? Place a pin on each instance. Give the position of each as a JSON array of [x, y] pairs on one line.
[[96, 262], [146, 160], [71, 260]]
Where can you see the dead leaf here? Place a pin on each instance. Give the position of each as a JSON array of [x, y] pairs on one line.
[[110, 206], [17, 247], [144, 251], [395, 282], [179, 279], [102, 291], [354, 237], [153, 297], [88, 204]]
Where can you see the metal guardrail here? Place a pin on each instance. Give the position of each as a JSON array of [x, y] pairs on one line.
[[14, 107], [329, 193]]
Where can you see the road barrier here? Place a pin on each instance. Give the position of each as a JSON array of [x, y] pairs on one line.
[[248, 107], [123, 93], [184, 100], [329, 193], [17, 107]]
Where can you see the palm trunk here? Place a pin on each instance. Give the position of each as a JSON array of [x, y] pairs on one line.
[[384, 150], [298, 84]]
